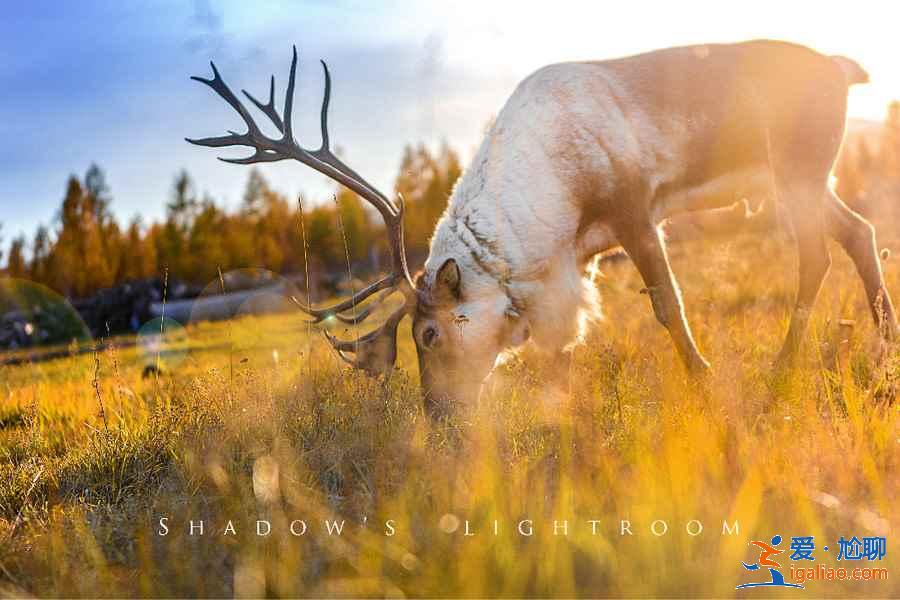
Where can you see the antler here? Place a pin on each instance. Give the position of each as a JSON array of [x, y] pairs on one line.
[[267, 149], [374, 351]]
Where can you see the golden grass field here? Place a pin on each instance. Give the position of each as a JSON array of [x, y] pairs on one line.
[[251, 425]]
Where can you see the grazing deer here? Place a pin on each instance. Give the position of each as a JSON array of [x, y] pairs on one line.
[[585, 157]]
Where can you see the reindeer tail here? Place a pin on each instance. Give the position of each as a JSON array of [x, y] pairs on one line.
[[852, 71]]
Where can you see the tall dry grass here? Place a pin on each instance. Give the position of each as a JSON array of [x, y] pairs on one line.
[[621, 434]]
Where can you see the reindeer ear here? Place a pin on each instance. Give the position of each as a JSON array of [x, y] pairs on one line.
[[448, 278]]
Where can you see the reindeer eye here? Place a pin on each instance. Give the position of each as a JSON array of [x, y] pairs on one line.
[[429, 336]]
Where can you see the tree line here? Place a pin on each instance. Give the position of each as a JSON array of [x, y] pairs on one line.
[[85, 249]]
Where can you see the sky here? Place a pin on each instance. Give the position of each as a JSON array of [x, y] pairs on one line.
[[108, 81]]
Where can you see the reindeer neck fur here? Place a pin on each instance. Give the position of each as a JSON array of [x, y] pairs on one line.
[[512, 223]]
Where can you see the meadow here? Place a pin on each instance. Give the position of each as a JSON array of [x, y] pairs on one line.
[[254, 419]]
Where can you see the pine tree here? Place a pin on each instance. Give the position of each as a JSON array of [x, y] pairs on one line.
[[182, 208], [40, 249], [172, 243], [15, 265], [255, 193], [66, 269], [273, 231], [325, 245], [97, 192], [205, 245], [425, 182], [139, 252], [356, 225]]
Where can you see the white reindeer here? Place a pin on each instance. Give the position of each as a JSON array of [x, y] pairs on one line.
[[588, 156]]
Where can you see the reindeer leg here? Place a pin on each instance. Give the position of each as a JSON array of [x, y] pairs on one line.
[[814, 262], [648, 252], [857, 237]]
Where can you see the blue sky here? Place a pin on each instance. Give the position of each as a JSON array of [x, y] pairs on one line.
[[107, 82]]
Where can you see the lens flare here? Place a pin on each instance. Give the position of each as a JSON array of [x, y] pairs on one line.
[[34, 315], [163, 340]]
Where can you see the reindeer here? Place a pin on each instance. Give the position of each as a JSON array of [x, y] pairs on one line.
[[589, 156]]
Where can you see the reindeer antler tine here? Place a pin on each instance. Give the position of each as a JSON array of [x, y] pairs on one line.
[[336, 343], [255, 158], [387, 282], [354, 345], [326, 99], [353, 363], [289, 101], [368, 310], [333, 342], [220, 141], [269, 108], [219, 86]]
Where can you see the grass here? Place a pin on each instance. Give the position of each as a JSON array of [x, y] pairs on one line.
[[251, 420]]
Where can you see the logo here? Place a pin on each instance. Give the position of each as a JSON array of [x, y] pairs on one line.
[[802, 548], [765, 559]]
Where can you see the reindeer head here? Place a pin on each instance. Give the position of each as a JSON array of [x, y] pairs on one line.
[[459, 314], [462, 320]]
